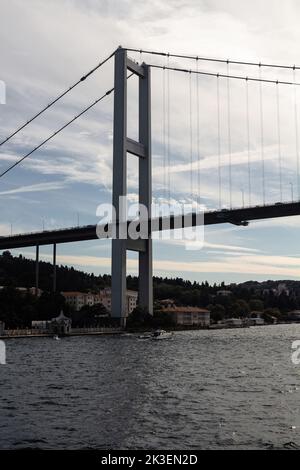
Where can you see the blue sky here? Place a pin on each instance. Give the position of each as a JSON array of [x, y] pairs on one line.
[[46, 46]]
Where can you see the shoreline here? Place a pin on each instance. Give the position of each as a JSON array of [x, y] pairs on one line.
[[130, 331], [50, 335]]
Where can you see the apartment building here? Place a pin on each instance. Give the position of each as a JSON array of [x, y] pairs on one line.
[[131, 299], [187, 316], [77, 300]]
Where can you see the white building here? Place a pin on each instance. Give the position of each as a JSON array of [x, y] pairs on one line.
[[187, 316], [42, 325], [256, 321], [77, 300], [26, 290], [224, 293], [61, 325], [131, 299]]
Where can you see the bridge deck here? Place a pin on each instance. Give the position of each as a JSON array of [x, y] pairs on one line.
[[77, 234]]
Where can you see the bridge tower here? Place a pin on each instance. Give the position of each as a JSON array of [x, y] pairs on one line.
[[122, 146]]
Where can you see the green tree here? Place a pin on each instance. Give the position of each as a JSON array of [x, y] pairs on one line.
[[217, 312], [240, 308], [139, 317], [256, 305]]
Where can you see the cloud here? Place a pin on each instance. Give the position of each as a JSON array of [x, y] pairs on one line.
[[55, 52], [252, 265], [52, 186], [209, 245]]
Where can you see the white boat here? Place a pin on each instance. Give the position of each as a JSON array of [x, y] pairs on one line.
[[56, 338], [161, 334], [146, 336]]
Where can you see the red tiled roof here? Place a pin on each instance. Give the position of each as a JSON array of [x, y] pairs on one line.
[[65, 294]]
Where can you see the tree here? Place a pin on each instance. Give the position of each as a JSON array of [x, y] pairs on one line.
[[271, 313], [91, 316], [256, 305], [240, 308], [49, 305], [217, 312], [139, 317], [162, 319]]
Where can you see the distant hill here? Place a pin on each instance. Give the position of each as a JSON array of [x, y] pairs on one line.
[[273, 298], [20, 272], [268, 285]]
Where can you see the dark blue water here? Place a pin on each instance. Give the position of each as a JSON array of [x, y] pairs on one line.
[[203, 390]]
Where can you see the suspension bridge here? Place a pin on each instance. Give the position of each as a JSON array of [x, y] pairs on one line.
[[263, 167]]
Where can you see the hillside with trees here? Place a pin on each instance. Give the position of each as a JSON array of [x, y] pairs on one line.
[[234, 300]]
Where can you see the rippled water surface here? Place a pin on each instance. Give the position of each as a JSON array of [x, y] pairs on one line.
[[206, 389]]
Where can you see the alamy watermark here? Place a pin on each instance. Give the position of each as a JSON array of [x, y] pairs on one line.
[[176, 221], [2, 92], [2, 353]]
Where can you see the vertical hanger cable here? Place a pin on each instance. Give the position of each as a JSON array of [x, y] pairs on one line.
[[262, 136], [279, 141], [219, 143], [229, 137], [248, 141], [198, 143], [168, 131], [191, 136], [164, 136], [296, 133]]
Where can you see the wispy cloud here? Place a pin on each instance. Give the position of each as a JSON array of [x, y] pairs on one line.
[[251, 265], [40, 187], [266, 31]]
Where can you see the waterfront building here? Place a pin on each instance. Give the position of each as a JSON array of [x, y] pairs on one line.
[[41, 325], [26, 290], [294, 316], [233, 323], [255, 319], [187, 316], [61, 325]]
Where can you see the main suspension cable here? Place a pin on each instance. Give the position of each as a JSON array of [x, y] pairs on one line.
[[215, 74], [59, 97], [58, 131], [211, 59]]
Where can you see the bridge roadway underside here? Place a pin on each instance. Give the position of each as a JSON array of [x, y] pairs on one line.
[[77, 234]]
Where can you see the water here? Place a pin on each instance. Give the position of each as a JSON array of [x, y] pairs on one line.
[[234, 389]]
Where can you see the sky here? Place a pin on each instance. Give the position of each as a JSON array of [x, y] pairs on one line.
[[48, 45]]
